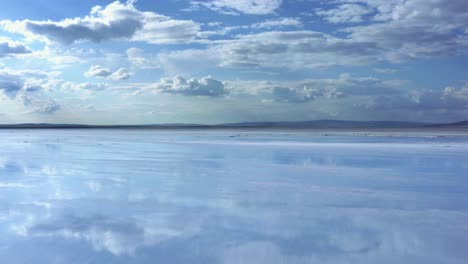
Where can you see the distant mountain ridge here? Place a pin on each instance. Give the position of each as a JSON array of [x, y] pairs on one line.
[[313, 124]]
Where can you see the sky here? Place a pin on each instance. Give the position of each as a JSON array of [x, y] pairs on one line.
[[220, 61]]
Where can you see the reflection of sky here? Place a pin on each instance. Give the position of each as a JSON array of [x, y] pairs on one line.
[[171, 197]]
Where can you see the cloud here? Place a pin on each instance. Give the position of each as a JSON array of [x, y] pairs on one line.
[[27, 89], [120, 74], [13, 82], [9, 48], [385, 70], [10, 85], [440, 104], [40, 106], [139, 59], [90, 86], [306, 94], [97, 71], [414, 28], [114, 21], [206, 86], [392, 31], [159, 29], [267, 24], [250, 7], [456, 94], [347, 13], [119, 237], [281, 22], [294, 50], [116, 237], [343, 86]]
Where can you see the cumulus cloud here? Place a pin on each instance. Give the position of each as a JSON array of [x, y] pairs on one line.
[[120, 74], [251, 7], [206, 86], [97, 71], [114, 21], [8, 48]]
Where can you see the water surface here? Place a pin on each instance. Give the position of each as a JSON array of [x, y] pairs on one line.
[[150, 196]]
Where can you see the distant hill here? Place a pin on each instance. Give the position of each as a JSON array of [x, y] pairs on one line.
[[456, 124], [315, 124], [327, 124]]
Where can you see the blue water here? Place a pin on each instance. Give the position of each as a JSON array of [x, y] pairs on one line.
[[146, 196]]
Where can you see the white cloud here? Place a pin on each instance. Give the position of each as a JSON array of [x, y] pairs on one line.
[[115, 21], [264, 25], [120, 74], [8, 48], [206, 86], [385, 70], [89, 86], [159, 29], [251, 7], [414, 28], [312, 89], [279, 49], [14, 81], [347, 13], [394, 31], [401, 33], [41, 106], [97, 71], [57, 58], [456, 97], [139, 59], [281, 22], [28, 89], [121, 237], [305, 94], [10, 85]]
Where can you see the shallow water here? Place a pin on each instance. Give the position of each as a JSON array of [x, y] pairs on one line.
[[147, 196]]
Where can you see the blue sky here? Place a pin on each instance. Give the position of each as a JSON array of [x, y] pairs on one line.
[[106, 62]]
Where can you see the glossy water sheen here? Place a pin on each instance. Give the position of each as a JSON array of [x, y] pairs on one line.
[[116, 196]]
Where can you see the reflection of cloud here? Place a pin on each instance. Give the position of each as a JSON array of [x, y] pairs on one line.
[[114, 235], [12, 185]]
